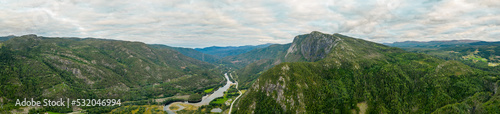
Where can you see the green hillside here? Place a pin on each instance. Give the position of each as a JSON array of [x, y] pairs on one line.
[[40, 67], [309, 47], [192, 53], [347, 74], [481, 55]]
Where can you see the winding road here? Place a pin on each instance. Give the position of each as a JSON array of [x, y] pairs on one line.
[[231, 108]]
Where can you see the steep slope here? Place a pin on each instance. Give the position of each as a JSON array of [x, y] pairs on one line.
[[309, 47], [40, 67], [230, 50], [347, 73], [192, 53]]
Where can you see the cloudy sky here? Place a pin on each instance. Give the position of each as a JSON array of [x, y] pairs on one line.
[[202, 23]]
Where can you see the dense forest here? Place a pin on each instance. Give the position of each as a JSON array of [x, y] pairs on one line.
[[316, 73], [52, 68], [384, 79]]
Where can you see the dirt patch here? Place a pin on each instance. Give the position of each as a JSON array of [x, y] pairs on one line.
[[362, 107]]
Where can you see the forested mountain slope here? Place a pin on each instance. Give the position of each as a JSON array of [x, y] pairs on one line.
[[41, 67], [308, 47], [252, 63], [192, 53], [431, 43], [230, 50], [349, 75]]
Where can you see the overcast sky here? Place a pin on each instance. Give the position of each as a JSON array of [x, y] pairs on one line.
[[202, 23]]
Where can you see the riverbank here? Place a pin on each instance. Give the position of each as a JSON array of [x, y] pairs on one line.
[[205, 99]]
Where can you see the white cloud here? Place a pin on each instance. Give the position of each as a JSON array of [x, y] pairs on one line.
[[201, 23]]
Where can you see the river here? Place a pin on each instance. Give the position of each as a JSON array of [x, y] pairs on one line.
[[206, 99]]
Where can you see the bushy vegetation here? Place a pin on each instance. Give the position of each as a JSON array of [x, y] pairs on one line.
[[193, 98]]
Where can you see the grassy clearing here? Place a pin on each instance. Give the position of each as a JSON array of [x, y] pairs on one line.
[[134, 111], [53, 113], [220, 101], [475, 58], [189, 107], [493, 64], [223, 100], [209, 90]]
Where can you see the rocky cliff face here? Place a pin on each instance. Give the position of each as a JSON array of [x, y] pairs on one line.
[[304, 48], [311, 47]]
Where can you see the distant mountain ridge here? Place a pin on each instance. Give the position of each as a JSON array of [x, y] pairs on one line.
[[229, 50], [5, 38], [192, 53], [431, 43]]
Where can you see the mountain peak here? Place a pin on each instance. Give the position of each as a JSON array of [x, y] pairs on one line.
[[30, 35], [311, 47], [316, 33]]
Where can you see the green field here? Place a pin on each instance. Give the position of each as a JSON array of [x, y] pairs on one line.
[[209, 90], [220, 101], [475, 58], [53, 113]]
